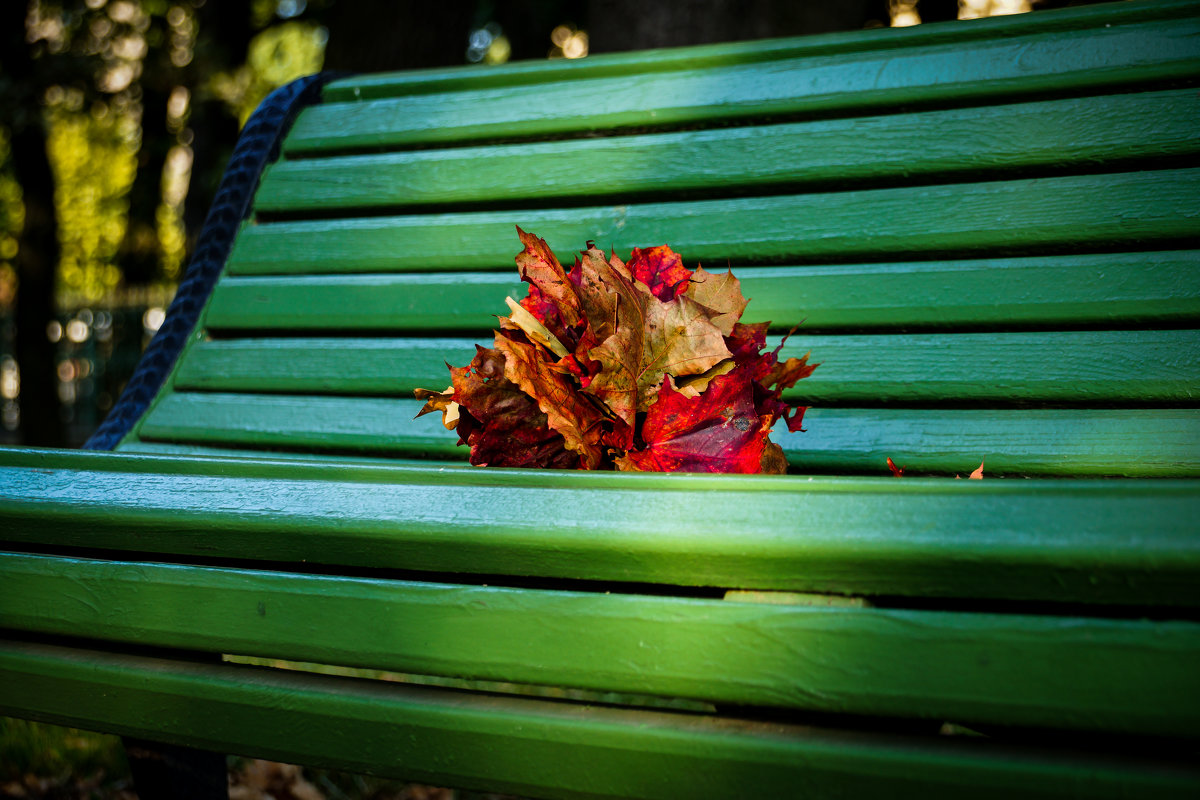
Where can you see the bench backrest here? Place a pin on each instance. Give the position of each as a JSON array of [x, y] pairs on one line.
[[985, 231]]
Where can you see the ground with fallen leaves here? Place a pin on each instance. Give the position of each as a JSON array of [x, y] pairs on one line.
[[48, 762]]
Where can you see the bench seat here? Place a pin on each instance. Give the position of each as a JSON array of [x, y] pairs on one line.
[[987, 234]]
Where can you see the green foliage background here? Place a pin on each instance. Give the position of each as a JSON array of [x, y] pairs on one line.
[[96, 122]]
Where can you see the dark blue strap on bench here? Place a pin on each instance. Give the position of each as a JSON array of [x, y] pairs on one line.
[[257, 146]]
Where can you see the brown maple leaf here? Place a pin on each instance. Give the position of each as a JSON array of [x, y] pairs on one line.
[[504, 426], [653, 339], [552, 299], [722, 293], [568, 411], [601, 284]]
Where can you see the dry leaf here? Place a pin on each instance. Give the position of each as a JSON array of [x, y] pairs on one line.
[[533, 328], [661, 270], [722, 293], [558, 395], [718, 431], [439, 401], [504, 426], [653, 339], [640, 365], [693, 385], [554, 303]]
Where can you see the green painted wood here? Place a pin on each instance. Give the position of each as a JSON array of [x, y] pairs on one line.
[[1157, 366], [1099, 541], [379, 366], [534, 747], [1059, 61], [1095, 288], [879, 149], [1130, 676], [1094, 211], [1154, 442], [426, 302], [391, 84], [371, 425], [1129, 442], [133, 445]]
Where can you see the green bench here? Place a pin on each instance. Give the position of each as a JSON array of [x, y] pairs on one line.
[[988, 231]]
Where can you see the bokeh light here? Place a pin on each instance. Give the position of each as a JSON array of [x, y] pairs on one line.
[[568, 42]]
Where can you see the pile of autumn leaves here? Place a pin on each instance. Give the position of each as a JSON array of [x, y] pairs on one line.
[[634, 366]]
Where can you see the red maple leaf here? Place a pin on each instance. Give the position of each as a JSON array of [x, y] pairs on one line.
[[718, 431], [771, 377], [661, 269]]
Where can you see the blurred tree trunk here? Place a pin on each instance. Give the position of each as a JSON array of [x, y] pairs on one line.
[[36, 264], [141, 255], [224, 31], [37, 259], [937, 10]]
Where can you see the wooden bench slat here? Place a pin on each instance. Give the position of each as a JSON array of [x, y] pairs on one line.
[[1099, 541], [532, 747], [131, 445], [391, 84], [1060, 62], [1017, 442], [1077, 672], [1058, 133], [1085, 211], [946, 441], [1156, 366], [1096, 288], [355, 424]]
